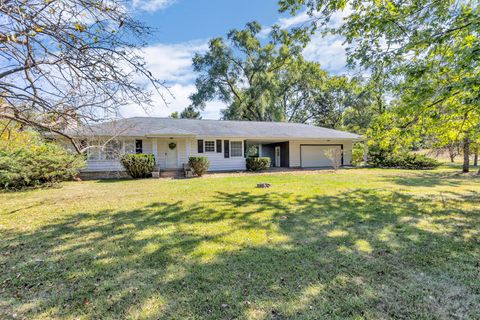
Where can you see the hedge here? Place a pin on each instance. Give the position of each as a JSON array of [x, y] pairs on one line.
[[139, 166], [257, 163], [402, 161], [199, 165], [37, 163]]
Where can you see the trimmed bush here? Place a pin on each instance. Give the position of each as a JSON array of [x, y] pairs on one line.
[[139, 166], [257, 163], [357, 154], [34, 162], [401, 160], [199, 165]]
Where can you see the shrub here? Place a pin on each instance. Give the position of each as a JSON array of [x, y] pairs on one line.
[[29, 161], [405, 160], [357, 154], [139, 166], [258, 163], [199, 165]]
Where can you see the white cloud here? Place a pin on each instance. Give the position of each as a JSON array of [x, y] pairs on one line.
[[152, 5], [294, 21], [173, 64], [329, 51]]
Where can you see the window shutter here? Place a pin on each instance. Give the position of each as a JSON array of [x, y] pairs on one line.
[[200, 146], [226, 148], [244, 148], [138, 146], [219, 146]]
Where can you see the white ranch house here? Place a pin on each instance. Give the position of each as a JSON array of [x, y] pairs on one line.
[[225, 143]]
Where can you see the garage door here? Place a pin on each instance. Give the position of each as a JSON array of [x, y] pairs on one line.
[[316, 156]]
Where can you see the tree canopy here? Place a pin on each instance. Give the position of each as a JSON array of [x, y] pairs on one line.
[[70, 61], [423, 53], [269, 80]]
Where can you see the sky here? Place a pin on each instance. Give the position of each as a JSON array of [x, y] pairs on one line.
[[184, 27]]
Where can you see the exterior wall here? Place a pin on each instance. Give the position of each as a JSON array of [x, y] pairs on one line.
[[294, 151], [290, 155], [217, 160]]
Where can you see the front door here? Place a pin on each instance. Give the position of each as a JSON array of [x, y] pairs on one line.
[[171, 155], [277, 156]]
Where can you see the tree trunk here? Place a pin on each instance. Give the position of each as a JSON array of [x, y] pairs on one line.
[[466, 155], [452, 157], [451, 153], [475, 156]]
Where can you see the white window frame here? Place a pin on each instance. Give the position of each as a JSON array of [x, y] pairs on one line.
[[205, 146], [231, 149], [98, 148]]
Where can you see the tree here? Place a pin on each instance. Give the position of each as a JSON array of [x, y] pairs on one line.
[[239, 71], [335, 156], [69, 62], [174, 115], [393, 38], [190, 113], [273, 82], [425, 52]]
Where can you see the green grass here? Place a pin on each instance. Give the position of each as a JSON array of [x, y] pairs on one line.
[[359, 244]]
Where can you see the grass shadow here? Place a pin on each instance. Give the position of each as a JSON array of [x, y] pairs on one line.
[[361, 254]]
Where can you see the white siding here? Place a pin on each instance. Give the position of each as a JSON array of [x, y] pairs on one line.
[[114, 165], [294, 150], [217, 160], [103, 165]]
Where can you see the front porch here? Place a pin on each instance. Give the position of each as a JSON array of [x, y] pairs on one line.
[[170, 153], [277, 151]]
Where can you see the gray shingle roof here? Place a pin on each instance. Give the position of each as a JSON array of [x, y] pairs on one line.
[[151, 126]]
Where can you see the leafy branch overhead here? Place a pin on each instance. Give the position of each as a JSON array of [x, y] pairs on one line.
[[68, 61]]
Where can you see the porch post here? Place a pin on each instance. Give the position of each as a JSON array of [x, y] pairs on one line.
[[155, 150], [188, 146], [260, 150]]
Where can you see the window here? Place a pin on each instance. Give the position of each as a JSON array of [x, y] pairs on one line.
[[138, 146], [99, 150], [209, 146], [93, 151], [236, 149], [112, 150], [129, 146]]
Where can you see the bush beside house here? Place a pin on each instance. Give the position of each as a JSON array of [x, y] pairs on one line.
[[357, 154], [257, 163], [199, 165], [404, 160], [139, 166], [27, 160]]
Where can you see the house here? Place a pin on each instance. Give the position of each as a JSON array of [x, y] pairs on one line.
[[225, 143]]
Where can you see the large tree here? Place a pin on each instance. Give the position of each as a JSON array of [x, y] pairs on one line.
[[68, 61], [239, 71], [395, 37], [424, 52], [269, 80]]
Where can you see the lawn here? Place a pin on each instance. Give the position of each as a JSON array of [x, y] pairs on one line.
[[359, 244]]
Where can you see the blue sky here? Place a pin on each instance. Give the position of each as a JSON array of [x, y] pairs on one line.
[[183, 27]]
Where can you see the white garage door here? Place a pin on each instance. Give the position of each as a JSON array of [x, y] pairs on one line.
[[316, 156]]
